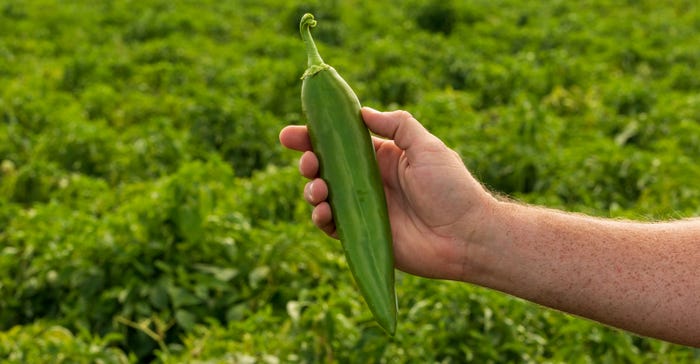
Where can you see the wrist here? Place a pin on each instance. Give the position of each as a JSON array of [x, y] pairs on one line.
[[484, 242]]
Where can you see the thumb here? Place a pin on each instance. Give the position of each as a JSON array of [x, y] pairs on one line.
[[407, 133]]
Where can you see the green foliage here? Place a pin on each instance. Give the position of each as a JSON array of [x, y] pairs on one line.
[[148, 214], [42, 342], [437, 16]]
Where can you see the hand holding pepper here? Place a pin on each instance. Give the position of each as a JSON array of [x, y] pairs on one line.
[[638, 276], [424, 183]]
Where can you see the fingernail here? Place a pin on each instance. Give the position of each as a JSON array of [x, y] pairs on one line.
[[371, 109], [309, 190]]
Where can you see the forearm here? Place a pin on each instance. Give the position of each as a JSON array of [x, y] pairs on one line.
[[641, 277]]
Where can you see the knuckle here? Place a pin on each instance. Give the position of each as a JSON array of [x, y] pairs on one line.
[[404, 115]]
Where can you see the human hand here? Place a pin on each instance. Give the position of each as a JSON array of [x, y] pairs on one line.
[[436, 208]]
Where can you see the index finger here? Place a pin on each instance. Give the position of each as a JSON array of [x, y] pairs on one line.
[[295, 137]]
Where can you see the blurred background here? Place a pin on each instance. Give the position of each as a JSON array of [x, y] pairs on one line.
[[148, 213]]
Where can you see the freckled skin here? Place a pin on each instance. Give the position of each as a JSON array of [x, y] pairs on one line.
[[641, 277]]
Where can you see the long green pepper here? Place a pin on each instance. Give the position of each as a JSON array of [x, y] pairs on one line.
[[355, 191]]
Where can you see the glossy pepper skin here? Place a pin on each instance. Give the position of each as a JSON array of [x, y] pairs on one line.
[[355, 191]]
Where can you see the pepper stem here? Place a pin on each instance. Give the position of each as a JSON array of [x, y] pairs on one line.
[[315, 62]]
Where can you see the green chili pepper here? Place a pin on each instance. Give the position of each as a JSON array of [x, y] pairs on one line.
[[355, 191]]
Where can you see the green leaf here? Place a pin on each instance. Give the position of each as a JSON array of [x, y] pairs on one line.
[[257, 275], [158, 297], [185, 319], [222, 274], [181, 297]]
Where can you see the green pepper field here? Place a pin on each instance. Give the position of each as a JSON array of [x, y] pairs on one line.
[[148, 213]]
